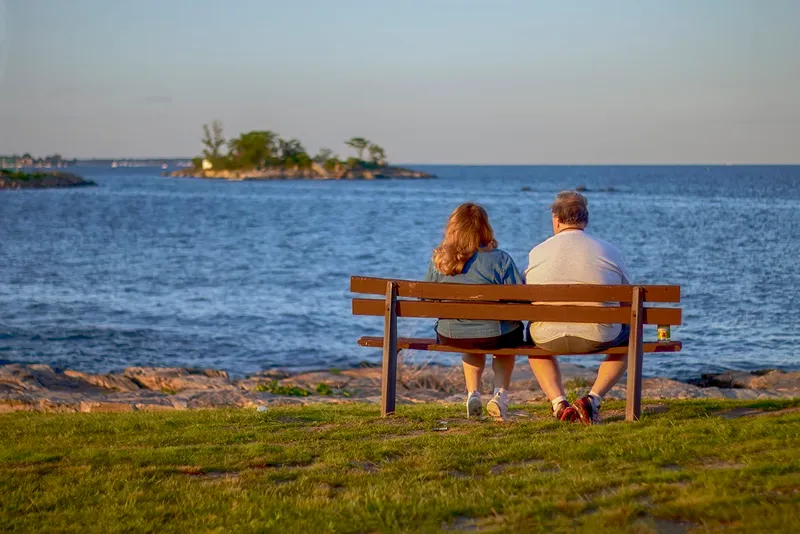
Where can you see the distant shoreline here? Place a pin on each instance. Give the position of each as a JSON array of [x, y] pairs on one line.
[[13, 180]]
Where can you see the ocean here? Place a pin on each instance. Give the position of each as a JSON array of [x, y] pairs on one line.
[[248, 276]]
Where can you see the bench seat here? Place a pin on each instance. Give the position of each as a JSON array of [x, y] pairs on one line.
[[414, 343]]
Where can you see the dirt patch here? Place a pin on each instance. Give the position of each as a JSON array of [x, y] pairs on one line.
[[551, 468], [666, 526], [740, 412], [201, 472], [280, 465], [500, 468], [671, 467], [461, 524], [736, 413], [391, 437], [454, 473], [716, 464], [369, 467]]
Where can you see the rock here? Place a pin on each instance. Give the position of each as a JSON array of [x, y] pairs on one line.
[[214, 399], [40, 377], [174, 379], [527, 189], [777, 380], [727, 379], [773, 380], [312, 379], [113, 382], [276, 374]]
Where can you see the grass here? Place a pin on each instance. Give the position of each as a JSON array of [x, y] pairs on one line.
[[278, 389], [342, 469]]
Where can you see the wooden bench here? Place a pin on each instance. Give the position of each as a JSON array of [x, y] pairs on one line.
[[403, 298]]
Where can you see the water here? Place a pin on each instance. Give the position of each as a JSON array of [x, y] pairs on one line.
[[245, 276]]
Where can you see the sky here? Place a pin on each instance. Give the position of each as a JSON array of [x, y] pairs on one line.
[[432, 81]]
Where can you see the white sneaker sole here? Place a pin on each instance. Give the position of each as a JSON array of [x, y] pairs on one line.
[[474, 407], [494, 409]]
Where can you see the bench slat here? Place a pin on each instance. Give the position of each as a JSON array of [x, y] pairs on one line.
[[525, 350], [517, 312], [521, 293]]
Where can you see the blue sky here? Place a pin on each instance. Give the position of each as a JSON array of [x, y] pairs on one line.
[[433, 81]]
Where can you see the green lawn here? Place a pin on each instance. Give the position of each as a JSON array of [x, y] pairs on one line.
[[343, 469]]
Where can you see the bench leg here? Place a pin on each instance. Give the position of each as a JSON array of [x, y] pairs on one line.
[[633, 401], [389, 371]]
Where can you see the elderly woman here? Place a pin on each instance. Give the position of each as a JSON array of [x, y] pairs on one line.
[[468, 254]]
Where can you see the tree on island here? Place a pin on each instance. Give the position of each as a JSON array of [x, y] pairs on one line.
[[293, 154], [213, 140], [253, 149], [359, 144], [324, 155], [377, 154], [261, 149]]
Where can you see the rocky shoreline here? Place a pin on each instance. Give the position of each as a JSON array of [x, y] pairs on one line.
[[40, 180], [315, 172], [41, 388]]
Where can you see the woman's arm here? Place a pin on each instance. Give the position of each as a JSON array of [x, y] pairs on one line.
[[432, 274], [510, 272]]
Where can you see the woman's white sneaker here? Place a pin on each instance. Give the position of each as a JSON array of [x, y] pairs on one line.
[[474, 405], [498, 406]]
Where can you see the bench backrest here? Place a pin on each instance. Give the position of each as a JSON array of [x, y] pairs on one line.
[[514, 302]]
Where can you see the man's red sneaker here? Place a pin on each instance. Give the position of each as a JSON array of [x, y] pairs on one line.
[[588, 414], [565, 412]]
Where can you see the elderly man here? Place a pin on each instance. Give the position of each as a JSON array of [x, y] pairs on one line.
[[572, 256]]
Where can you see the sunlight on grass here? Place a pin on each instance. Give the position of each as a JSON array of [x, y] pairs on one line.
[[343, 469]]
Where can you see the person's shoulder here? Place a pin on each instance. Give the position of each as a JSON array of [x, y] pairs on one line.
[[608, 247], [605, 243], [494, 255], [544, 245]]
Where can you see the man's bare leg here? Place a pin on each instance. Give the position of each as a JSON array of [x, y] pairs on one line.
[[548, 374], [609, 373]]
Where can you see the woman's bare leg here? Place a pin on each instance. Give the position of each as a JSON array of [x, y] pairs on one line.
[[503, 367], [473, 370]]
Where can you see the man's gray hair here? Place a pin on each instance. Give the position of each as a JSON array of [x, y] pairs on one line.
[[572, 208]]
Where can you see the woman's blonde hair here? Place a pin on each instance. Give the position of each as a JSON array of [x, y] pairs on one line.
[[467, 231]]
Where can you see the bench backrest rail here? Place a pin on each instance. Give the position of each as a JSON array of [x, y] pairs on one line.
[[515, 293]]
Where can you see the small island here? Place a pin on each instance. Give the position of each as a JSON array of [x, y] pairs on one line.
[[12, 179], [263, 155]]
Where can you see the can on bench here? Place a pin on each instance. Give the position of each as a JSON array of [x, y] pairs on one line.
[[663, 332]]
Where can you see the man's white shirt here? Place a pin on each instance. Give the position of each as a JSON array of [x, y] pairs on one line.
[[575, 257]]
